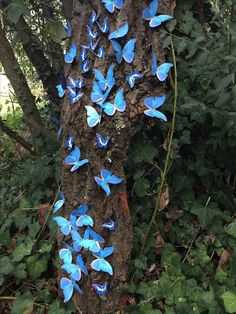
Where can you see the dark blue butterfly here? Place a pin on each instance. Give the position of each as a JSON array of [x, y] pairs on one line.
[[105, 82], [76, 83], [84, 66], [68, 29], [100, 264], [153, 103], [126, 53], [70, 142], [74, 96], [100, 53], [83, 55], [104, 27], [133, 77], [110, 5], [107, 178], [71, 54], [101, 289], [149, 14], [120, 32], [74, 159], [91, 34], [93, 117], [102, 142], [83, 220], [119, 104], [67, 287], [59, 203], [93, 18], [65, 256], [110, 224]]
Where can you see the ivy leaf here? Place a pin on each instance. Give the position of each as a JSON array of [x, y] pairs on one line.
[[229, 299], [5, 265], [22, 250], [231, 228], [23, 305], [144, 152], [205, 214], [20, 271], [14, 11], [141, 187], [36, 266], [56, 31]]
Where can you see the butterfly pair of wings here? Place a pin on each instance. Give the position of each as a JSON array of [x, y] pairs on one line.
[[89, 244], [101, 289], [59, 203], [107, 178], [71, 54], [84, 219], [68, 286], [110, 5], [150, 14], [102, 142], [162, 70], [74, 159], [74, 270], [153, 103], [100, 264]]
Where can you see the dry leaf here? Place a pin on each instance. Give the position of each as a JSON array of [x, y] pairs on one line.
[[43, 210], [151, 269], [224, 259], [159, 242], [164, 199]]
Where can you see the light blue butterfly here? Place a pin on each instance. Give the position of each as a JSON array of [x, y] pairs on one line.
[[60, 90], [120, 32], [63, 224], [107, 178], [100, 264], [65, 256], [91, 34], [126, 53], [110, 224], [97, 94], [110, 5], [81, 264], [93, 117], [59, 203], [76, 83], [84, 66], [104, 28], [85, 242], [153, 103], [102, 142], [72, 270], [132, 78], [67, 287], [59, 131], [149, 14], [101, 289], [68, 29], [70, 142], [93, 18], [83, 220], [74, 159], [74, 96], [100, 53], [71, 54], [119, 104], [160, 71], [105, 82]]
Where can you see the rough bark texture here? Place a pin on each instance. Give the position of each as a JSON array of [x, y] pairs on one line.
[[80, 187]]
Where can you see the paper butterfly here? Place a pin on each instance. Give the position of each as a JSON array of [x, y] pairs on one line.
[[93, 117], [71, 54], [74, 96], [93, 18], [149, 14], [68, 29], [110, 5], [133, 77], [75, 270], [102, 142], [59, 203], [107, 178], [101, 289], [84, 66], [86, 243], [67, 287], [74, 159], [91, 34], [153, 103], [97, 94], [110, 224], [83, 55], [162, 71], [119, 104], [100, 53], [63, 224], [65, 256], [76, 83], [83, 220], [120, 32], [104, 28], [105, 82], [60, 90], [100, 264], [70, 142], [127, 53]]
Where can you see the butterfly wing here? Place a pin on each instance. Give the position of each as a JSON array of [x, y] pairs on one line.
[[101, 80], [109, 5], [118, 50], [84, 220], [103, 185], [58, 205], [97, 95], [90, 245], [109, 108], [121, 32], [119, 101], [150, 11], [101, 264], [93, 118], [73, 270], [110, 76], [63, 224], [71, 54], [154, 102], [60, 90], [95, 235], [81, 264], [158, 20], [162, 71], [118, 4], [67, 288], [81, 210], [65, 255], [128, 51], [103, 253], [154, 63], [76, 240], [109, 177]]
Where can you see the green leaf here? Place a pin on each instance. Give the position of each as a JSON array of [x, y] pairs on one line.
[[15, 10], [6, 266], [141, 186], [229, 299], [56, 31], [22, 250], [205, 214], [231, 228], [36, 265], [23, 304], [20, 271], [148, 309]]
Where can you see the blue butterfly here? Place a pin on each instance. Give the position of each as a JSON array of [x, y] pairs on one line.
[[93, 18], [86, 243], [91, 34], [100, 264], [84, 66], [102, 142], [119, 104], [153, 103], [107, 178], [110, 5], [93, 117], [71, 54], [133, 77], [120, 32], [92, 45], [74, 159], [110, 224], [100, 53], [63, 224], [76, 83], [101, 289], [65, 256], [104, 27], [149, 14], [97, 95], [162, 71], [68, 29], [74, 96], [75, 270], [127, 52], [59, 203], [83, 220], [60, 90], [67, 287], [70, 142], [83, 55], [81, 264], [105, 82]]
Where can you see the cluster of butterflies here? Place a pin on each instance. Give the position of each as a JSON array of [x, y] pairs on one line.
[[103, 84]]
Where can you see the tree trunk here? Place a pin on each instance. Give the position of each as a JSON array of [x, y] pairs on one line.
[[80, 187]]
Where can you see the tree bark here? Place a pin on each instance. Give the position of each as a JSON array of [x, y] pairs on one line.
[[80, 187]]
